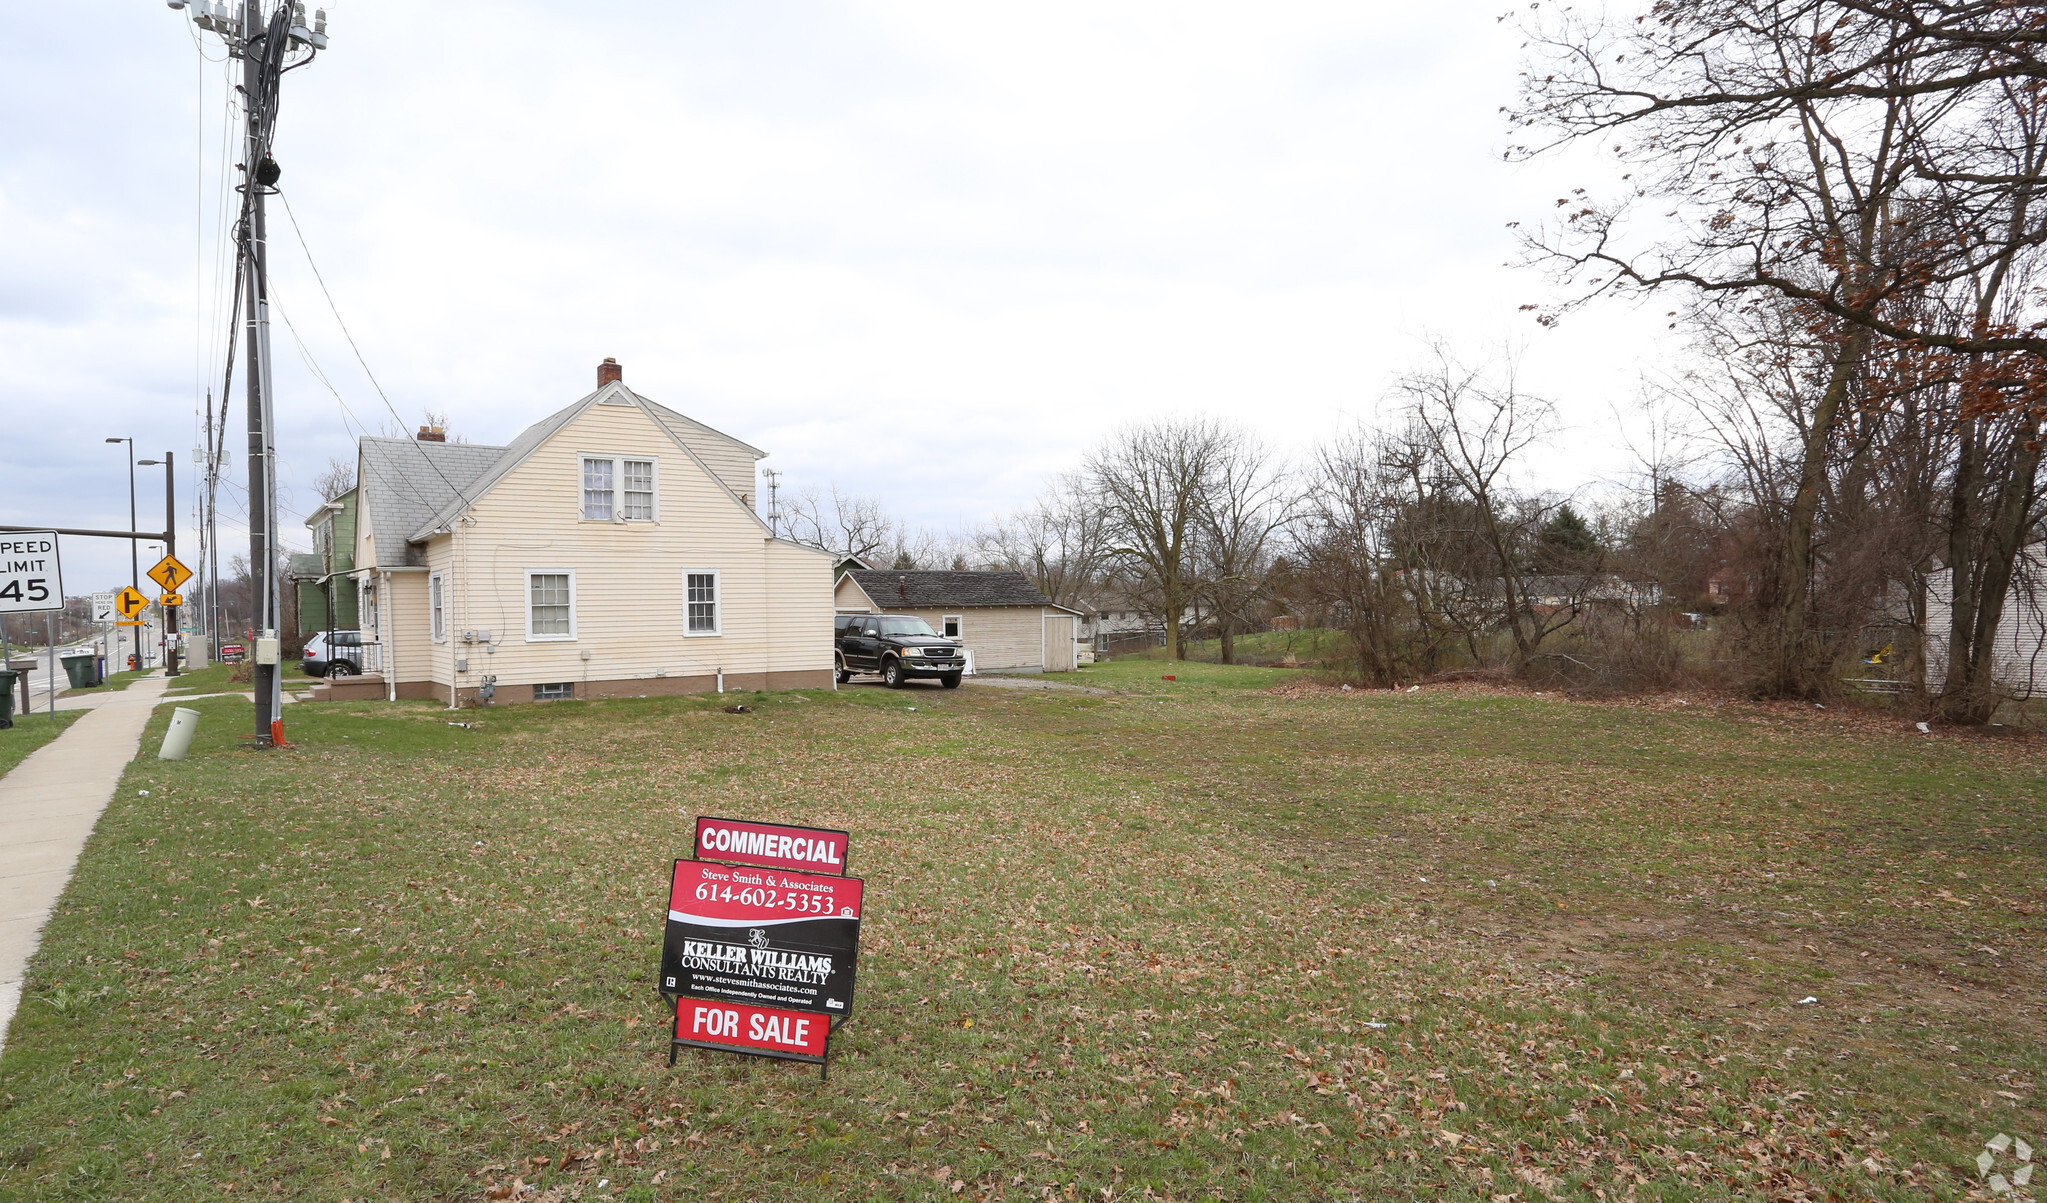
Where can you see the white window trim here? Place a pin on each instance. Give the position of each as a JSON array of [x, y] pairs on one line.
[[437, 615], [958, 620], [530, 636], [617, 488], [717, 603]]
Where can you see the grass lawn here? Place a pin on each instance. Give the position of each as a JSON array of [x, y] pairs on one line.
[[220, 678], [114, 682], [32, 731], [1262, 647], [1136, 938]]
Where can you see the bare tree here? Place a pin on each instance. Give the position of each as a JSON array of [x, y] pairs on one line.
[[336, 479], [1152, 480], [1358, 501], [1865, 175], [843, 524], [1246, 503], [1061, 541], [1475, 433]]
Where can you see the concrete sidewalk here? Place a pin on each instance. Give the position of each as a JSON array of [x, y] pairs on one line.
[[49, 804]]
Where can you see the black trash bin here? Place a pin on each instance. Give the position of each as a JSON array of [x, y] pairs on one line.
[[79, 669], [7, 676]]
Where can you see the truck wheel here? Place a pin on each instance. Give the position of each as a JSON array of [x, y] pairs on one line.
[[950, 680], [839, 670], [892, 674]]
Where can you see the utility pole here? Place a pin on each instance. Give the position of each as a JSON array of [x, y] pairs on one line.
[[774, 500], [172, 630], [267, 46]]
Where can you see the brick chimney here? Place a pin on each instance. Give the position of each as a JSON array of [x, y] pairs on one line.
[[609, 371], [432, 434]]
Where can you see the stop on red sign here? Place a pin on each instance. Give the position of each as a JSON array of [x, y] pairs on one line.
[[768, 1030]]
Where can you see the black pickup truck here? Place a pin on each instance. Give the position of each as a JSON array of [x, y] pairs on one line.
[[899, 647]]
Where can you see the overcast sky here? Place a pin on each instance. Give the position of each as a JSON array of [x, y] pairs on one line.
[[930, 252]]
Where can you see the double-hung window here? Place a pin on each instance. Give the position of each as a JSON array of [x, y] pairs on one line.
[[598, 495], [700, 602], [437, 608], [619, 489], [637, 475], [550, 605]]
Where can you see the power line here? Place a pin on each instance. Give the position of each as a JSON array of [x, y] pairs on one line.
[[293, 218]]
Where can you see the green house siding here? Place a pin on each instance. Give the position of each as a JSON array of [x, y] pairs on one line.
[[333, 556], [313, 605]]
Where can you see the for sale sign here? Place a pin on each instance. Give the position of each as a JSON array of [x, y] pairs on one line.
[[744, 1028], [813, 849], [30, 576], [767, 937]]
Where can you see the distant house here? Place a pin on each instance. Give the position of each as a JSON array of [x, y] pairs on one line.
[[322, 576], [1594, 591], [610, 550], [2018, 662], [1004, 620], [1112, 624]]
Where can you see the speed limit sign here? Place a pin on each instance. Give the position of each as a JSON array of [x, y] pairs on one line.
[[30, 577]]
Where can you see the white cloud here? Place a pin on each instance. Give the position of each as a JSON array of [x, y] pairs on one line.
[[811, 225]]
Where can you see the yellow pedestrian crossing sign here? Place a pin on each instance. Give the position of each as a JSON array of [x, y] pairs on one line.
[[130, 602], [170, 574]]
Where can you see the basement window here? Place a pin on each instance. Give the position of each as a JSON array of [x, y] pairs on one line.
[[560, 691]]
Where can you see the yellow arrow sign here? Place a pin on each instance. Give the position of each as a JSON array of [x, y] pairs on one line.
[[170, 574], [171, 599], [130, 602]]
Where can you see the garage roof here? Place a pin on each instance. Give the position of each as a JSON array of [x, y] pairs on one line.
[[918, 590]]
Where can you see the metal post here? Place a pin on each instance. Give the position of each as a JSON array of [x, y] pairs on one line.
[[170, 548], [52, 617]]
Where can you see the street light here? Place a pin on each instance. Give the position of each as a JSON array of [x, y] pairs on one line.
[[134, 557], [134, 554]]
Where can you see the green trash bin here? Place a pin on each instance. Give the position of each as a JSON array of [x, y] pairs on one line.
[[7, 678], [79, 669]]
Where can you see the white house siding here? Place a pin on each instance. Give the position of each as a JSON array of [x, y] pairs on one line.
[[1002, 638], [407, 654], [774, 601], [2019, 661]]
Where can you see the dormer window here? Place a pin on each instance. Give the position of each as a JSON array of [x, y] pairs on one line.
[[619, 490]]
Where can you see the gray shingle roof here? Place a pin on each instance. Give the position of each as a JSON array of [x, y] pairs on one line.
[[406, 482], [925, 590]]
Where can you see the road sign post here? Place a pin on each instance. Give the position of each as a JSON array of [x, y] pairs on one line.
[[171, 575]]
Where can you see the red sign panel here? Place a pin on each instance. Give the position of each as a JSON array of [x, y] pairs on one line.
[[812, 849], [747, 1028], [764, 936]]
